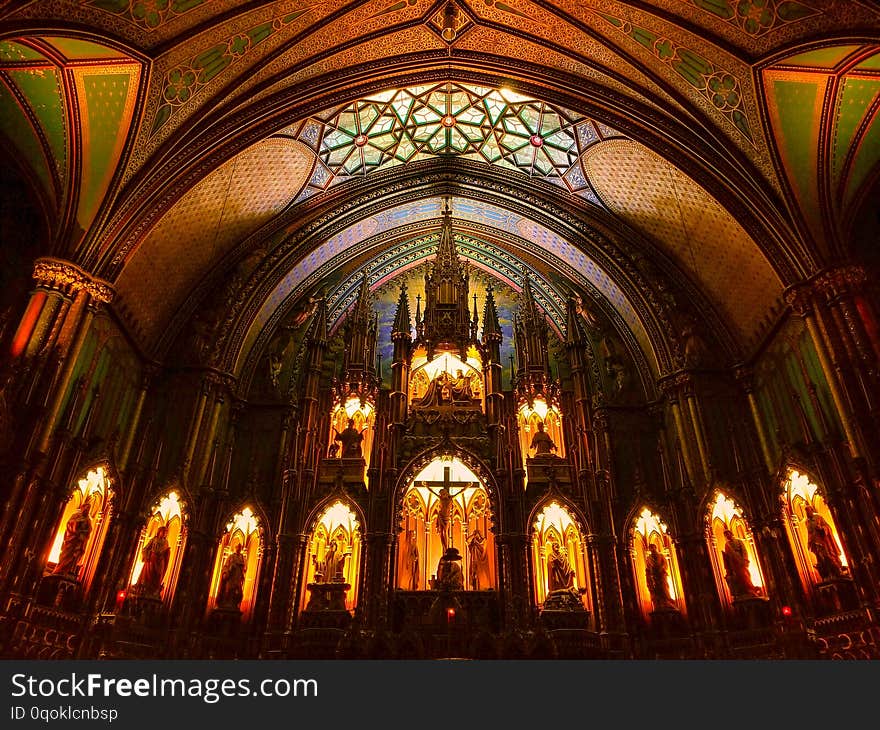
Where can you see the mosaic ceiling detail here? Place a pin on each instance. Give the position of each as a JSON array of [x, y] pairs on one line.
[[496, 126], [149, 14], [186, 80], [824, 107], [756, 17], [720, 86]]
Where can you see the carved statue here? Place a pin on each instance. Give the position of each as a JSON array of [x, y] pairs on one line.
[[736, 567], [656, 574], [155, 555], [275, 363], [541, 442], [230, 591], [821, 542], [476, 558], [439, 391], [443, 519], [560, 576], [412, 560], [461, 388], [449, 574], [328, 565], [351, 439], [76, 536]]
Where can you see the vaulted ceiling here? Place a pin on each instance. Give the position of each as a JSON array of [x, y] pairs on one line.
[[650, 156]]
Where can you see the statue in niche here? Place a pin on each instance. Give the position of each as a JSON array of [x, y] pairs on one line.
[[461, 389], [76, 536], [736, 567], [230, 591], [657, 577], [412, 560], [449, 574], [439, 391], [593, 322], [275, 364], [560, 576], [821, 542], [692, 350], [328, 565], [476, 558], [351, 440], [443, 519], [204, 327], [541, 442], [155, 555]]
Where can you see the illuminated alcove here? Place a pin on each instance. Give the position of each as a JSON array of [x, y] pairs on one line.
[[801, 492], [341, 562], [725, 514], [244, 530], [169, 512], [648, 529], [554, 525], [529, 415], [96, 488], [469, 527], [447, 372], [363, 415]]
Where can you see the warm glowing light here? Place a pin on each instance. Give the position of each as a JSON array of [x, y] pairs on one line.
[[786, 611], [553, 515], [801, 490], [445, 362], [648, 525], [93, 483], [724, 509], [539, 406], [354, 404], [728, 513], [167, 512], [336, 515], [245, 522]]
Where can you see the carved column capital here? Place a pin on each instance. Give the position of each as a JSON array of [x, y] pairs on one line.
[[800, 300], [69, 279]]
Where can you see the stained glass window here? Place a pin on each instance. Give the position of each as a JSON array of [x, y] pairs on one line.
[[454, 119]]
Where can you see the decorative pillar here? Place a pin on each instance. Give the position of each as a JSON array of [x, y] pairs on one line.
[[801, 304], [745, 377]]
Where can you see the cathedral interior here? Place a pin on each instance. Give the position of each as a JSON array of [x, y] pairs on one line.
[[440, 328]]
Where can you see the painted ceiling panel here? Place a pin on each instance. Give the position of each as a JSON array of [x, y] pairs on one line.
[[853, 100], [202, 227], [107, 103], [826, 185], [75, 49], [12, 51], [42, 88], [690, 226], [18, 128], [826, 58], [796, 115], [866, 156]]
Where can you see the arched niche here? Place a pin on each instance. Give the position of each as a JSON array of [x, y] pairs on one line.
[[334, 551], [467, 513], [160, 579], [539, 411], [362, 415], [446, 378], [555, 526], [82, 529], [237, 564], [814, 537], [655, 591], [732, 550]]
